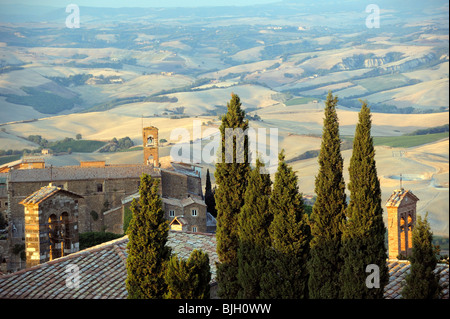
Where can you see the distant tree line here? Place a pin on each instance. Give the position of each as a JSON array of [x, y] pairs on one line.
[[68, 144], [75, 80], [116, 145], [431, 130]]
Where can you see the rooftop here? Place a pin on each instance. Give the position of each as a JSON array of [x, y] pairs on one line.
[[398, 196], [398, 269], [102, 270], [67, 173], [45, 192], [183, 202], [103, 273]]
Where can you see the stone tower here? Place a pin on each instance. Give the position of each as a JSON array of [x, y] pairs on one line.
[[401, 208], [51, 224], [150, 143]]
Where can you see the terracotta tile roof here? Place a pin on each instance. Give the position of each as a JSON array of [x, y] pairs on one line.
[[183, 202], [398, 269], [44, 193], [398, 196], [102, 270], [68, 173]]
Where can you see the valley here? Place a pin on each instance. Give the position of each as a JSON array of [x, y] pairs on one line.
[[125, 69]]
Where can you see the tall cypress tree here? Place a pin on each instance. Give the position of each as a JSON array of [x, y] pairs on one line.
[[422, 282], [209, 196], [254, 222], [286, 275], [188, 279], [328, 212], [147, 251], [363, 234], [231, 181]]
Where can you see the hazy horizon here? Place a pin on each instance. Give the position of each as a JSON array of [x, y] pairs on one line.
[[140, 3]]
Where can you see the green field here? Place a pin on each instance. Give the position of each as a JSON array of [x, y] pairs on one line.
[[299, 100], [384, 82], [402, 141], [9, 158], [408, 141]]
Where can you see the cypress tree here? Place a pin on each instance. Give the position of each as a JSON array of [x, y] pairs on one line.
[[328, 212], [147, 251], [363, 234], [188, 279], [286, 275], [209, 196], [254, 221], [422, 282], [231, 181]]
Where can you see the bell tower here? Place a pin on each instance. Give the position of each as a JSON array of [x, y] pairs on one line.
[[150, 144], [401, 208]]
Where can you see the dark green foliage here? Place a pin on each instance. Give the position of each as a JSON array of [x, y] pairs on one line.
[[127, 215], [431, 130], [78, 145], [116, 145], [231, 180], [286, 275], [254, 240], [90, 239], [209, 196], [328, 212], [147, 251], [363, 235], [421, 282], [188, 279], [43, 101], [75, 80]]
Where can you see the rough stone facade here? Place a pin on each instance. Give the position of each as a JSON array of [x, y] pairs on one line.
[[51, 224]]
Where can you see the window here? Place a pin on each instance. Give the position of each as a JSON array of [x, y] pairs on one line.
[[149, 141], [194, 212], [171, 213], [194, 229], [99, 188]]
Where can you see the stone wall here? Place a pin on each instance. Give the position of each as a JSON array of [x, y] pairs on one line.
[[39, 230]]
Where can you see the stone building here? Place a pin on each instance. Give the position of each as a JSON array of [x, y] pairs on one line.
[[105, 191], [401, 209], [51, 224]]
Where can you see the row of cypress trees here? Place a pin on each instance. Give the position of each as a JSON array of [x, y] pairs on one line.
[[266, 245]]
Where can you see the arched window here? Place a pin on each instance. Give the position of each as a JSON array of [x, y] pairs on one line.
[[149, 140], [53, 236], [65, 234], [402, 235], [410, 230]]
